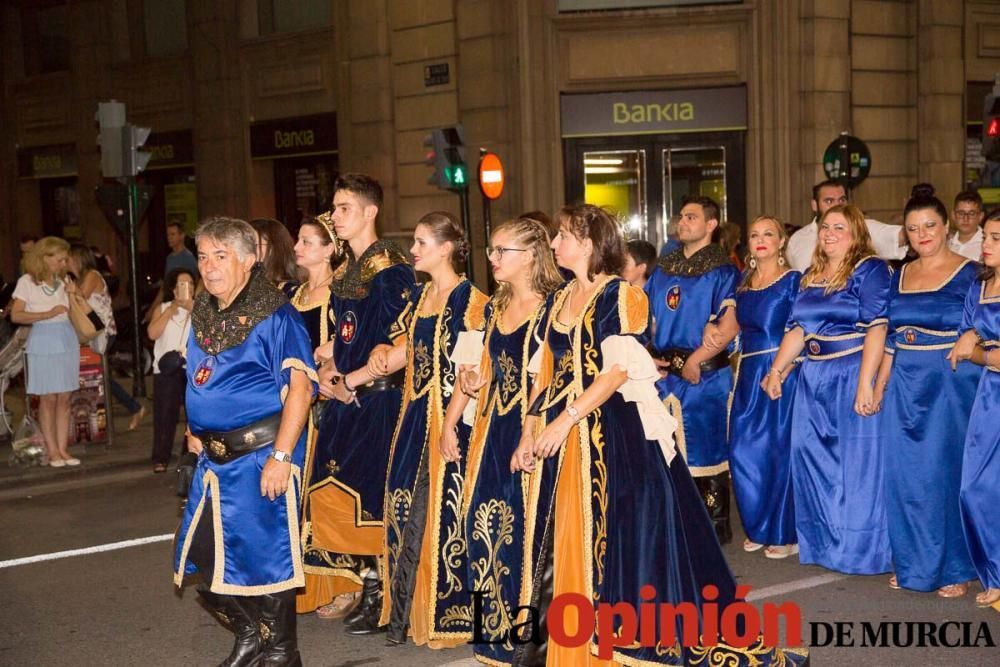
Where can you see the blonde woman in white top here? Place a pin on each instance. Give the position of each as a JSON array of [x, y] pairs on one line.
[[40, 299]]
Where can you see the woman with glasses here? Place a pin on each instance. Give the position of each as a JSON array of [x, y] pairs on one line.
[[423, 554], [980, 491], [926, 407], [839, 319], [498, 526]]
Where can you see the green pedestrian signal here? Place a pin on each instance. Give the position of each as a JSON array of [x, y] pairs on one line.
[[446, 154]]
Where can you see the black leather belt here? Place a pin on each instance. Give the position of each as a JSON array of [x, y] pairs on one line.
[[393, 381], [224, 446], [676, 358]]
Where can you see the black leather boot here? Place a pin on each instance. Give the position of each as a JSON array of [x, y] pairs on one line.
[[370, 609], [240, 615], [363, 566], [714, 492], [277, 627]]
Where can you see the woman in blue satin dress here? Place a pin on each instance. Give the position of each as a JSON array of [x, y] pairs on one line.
[[839, 318], [760, 429], [926, 407], [980, 492]]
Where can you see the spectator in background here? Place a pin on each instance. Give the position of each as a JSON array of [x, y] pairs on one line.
[[41, 300], [967, 215], [169, 332], [889, 241], [729, 239], [92, 286], [640, 260], [672, 243], [276, 251], [180, 257]]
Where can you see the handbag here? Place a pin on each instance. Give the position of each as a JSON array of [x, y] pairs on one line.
[[83, 317], [173, 362]]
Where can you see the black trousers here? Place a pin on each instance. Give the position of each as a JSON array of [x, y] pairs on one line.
[[168, 397]]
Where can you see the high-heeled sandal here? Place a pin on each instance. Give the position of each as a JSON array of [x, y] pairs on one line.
[[953, 590], [988, 598], [750, 547]]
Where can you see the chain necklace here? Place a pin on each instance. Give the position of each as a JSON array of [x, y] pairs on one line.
[[302, 294]]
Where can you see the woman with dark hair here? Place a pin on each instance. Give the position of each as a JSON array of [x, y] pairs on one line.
[[926, 406], [626, 517], [94, 289], [760, 429], [980, 490], [495, 372], [423, 555], [169, 330], [839, 318], [275, 250]]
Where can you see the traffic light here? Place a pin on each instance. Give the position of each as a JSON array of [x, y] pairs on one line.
[[110, 118], [446, 153], [991, 126], [134, 160]]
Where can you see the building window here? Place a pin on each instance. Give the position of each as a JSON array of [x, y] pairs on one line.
[[277, 16], [584, 5], [164, 25], [45, 31]]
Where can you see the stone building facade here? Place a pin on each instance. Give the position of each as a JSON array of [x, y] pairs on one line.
[[253, 118]]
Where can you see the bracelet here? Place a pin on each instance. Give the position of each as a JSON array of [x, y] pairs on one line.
[[348, 386], [775, 369]]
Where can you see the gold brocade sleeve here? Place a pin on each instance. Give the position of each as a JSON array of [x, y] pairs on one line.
[[475, 319], [633, 309]]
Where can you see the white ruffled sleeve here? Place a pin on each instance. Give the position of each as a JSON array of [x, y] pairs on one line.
[[469, 352], [640, 388]]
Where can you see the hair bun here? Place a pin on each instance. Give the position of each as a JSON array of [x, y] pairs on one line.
[[922, 191]]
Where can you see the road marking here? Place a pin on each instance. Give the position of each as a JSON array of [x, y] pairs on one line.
[[85, 551], [795, 585]]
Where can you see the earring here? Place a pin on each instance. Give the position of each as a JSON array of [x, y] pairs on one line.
[[781, 260], [753, 262]]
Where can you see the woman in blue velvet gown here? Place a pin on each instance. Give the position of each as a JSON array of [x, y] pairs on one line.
[[626, 512], [926, 408], [760, 429], [839, 318], [423, 556], [501, 507], [980, 491]]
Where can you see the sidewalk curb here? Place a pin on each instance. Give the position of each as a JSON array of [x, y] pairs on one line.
[[88, 470]]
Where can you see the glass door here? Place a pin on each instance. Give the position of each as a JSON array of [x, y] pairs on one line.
[[644, 178]]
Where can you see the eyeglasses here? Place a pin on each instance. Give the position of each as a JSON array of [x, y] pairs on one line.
[[967, 215], [500, 250]]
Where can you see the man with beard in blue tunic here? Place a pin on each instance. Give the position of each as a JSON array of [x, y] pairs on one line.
[[250, 380], [369, 306], [693, 286]]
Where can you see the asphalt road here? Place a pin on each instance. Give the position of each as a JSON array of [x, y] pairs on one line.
[[120, 608]]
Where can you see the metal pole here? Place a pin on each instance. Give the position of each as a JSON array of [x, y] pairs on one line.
[[463, 196], [488, 225], [845, 164], [109, 423], [138, 379]]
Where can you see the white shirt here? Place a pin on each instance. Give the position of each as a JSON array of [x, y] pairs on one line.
[[174, 336], [802, 243], [972, 249], [41, 298]]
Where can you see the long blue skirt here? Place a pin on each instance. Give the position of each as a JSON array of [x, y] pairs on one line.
[[926, 413], [838, 472], [759, 450], [980, 493]]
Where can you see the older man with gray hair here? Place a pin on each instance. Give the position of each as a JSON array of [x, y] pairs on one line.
[[250, 383]]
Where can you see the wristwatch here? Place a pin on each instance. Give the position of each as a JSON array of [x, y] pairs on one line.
[[280, 456], [573, 413]]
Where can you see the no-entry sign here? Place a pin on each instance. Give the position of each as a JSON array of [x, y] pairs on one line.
[[491, 177]]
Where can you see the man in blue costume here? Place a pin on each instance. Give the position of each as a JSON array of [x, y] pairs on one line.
[[250, 382], [691, 287], [369, 303]]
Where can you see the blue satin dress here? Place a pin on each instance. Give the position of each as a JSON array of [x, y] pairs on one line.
[[980, 492], [759, 428], [926, 413], [837, 455]]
